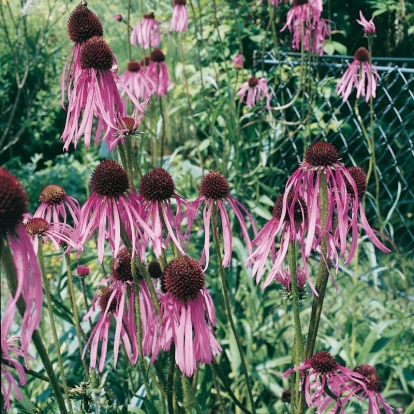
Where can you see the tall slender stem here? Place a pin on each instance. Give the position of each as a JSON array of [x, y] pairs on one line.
[[10, 273], [75, 310], [323, 272], [170, 380], [46, 284], [214, 223]]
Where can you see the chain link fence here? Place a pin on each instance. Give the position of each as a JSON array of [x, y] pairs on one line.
[[341, 123]]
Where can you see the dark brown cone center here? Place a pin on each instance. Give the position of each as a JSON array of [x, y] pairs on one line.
[[52, 195], [96, 54], [323, 362], [157, 56], [214, 186], [362, 55], [36, 226], [157, 184], [321, 154], [109, 179]]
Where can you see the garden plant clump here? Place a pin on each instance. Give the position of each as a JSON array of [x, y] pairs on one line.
[[174, 259]]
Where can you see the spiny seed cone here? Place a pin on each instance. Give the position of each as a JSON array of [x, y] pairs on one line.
[[214, 186], [299, 2], [36, 226], [157, 56], [128, 123], [121, 267], [157, 185], [154, 270], [109, 179], [13, 202], [321, 154], [183, 278], [362, 55], [360, 178], [104, 299], [83, 24], [96, 54], [300, 211], [253, 82], [372, 378], [149, 15], [323, 362], [52, 195], [82, 271], [180, 2], [133, 66]]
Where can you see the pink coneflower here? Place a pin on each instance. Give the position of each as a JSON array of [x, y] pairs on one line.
[[117, 17], [285, 279], [179, 21], [290, 219], [254, 88], [321, 371], [13, 206], [369, 26], [54, 203], [137, 81], [158, 72], [360, 179], [147, 32], [237, 61], [156, 190], [41, 230], [82, 25], [323, 158], [10, 352], [306, 15], [83, 271], [361, 74], [114, 300], [370, 389], [214, 192], [186, 317], [109, 204]]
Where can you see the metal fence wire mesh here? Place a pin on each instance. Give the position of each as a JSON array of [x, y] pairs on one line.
[[337, 122]]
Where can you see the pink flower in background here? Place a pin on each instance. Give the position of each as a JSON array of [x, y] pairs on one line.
[[361, 74], [117, 17], [214, 192], [254, 88], [82, 271], [82, 25], [321, 371], [186, 317], [110, 203], [10, 353], [179, 21], [158, 72], [40, 230], [13, 206], [55, 203], [156, 190], [369, 26], [147, 32], [137, 81], [290, 219], [237, 62]]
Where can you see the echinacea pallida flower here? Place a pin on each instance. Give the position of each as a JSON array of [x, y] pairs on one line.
[[186, 317], [137, 80], [253, 90], [110, 204], [13, 206], [147, 32], [369, 26], [214, 192], [158, 72], [360, 74], [321, 371], [179, 21], [11, 351]]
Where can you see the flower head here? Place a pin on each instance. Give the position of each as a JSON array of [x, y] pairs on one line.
[[179, 21], [147, 32], [214, 193], [138, 81], [254, 88], [285, 279], [118, 17], [110, 202], [369, 26], [323, 371], [158, 72], [83, 271], [237, 61], [361, 74], [186, 317]]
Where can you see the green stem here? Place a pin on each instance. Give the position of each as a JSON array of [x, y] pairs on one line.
[[298, 354], [10, 273], [170, 380], [46, 284], [185, 386], [323, 273], [214, 224], [75, 310]]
